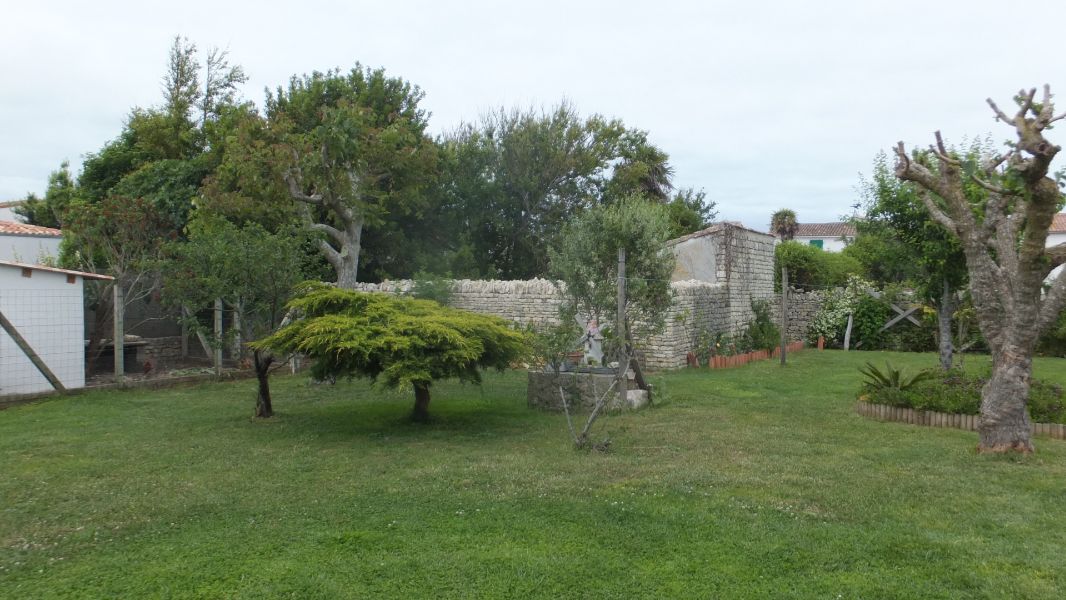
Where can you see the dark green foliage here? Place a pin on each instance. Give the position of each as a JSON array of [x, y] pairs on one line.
[[690, 211], [870, 315], [812, 268], [51, 210], [427, 286], [397, 341], [761, 333], [960, 393], [1053, 343]]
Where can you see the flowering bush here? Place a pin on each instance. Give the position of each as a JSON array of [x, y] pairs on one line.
[[832, 319]]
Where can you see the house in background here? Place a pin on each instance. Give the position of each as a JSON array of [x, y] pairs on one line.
[[832, 237], [29, 244]]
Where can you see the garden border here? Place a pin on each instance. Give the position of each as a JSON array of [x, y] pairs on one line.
[[932, 418]]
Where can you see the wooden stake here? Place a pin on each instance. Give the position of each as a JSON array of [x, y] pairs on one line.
[[119, 318]]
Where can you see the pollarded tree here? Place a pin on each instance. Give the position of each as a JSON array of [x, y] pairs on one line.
[[354, 150], [397, 341], [1003, 237]]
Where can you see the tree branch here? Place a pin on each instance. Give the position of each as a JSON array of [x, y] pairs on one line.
[[1056, 255], [332, 232], [296, 192], [1054, 302]]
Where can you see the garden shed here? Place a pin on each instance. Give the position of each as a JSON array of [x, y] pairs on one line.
[[42, 328]]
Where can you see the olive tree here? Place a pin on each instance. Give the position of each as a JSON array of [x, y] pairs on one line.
[[1003, 237]]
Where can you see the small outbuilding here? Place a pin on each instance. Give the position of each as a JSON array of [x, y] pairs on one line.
[[42, 328], [23, 243]]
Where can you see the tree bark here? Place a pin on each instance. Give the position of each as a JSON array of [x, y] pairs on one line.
[[1004, 424], [421, 411], [943, 316], [263, 407]]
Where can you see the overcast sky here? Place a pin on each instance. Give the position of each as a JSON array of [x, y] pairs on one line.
[[763, 104]]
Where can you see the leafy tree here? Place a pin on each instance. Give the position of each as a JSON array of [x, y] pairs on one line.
[[397, 341], [783, 224], [254, 271], [586, 262], [518, 175], [50, 211], [1003, 234], [896, 217], [690, 211], [356, 152]]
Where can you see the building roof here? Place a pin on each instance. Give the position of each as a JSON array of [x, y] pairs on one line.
[[714, 228], [11, 203], [18, 265], [15, 228], [825, 230], [1058, 224]]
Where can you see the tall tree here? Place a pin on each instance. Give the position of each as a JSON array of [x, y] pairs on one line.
[[254, 271], [51, 210], [1003, 237], [357, 152], [783, 224], [895, 215], [519, 175]]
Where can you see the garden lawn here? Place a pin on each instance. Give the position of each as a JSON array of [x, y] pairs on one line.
[[759, 481]]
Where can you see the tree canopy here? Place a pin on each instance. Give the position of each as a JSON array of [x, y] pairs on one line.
[[396, 341]]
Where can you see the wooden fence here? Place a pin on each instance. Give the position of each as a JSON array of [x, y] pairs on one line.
[[930, 418]]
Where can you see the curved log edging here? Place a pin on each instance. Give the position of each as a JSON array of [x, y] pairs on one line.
[[931, 418]]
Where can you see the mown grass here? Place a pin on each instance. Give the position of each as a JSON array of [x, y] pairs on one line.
[[751, 482]]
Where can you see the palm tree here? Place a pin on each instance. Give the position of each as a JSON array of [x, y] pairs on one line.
[[783, 224]]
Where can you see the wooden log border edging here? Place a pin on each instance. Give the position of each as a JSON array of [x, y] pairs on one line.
[[930, 418], [738, 360]]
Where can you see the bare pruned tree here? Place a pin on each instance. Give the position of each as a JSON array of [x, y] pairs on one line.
[[1004, 238]]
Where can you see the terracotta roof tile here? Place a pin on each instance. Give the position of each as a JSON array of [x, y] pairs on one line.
[[825, 230], [1058, 224], [13, 228]]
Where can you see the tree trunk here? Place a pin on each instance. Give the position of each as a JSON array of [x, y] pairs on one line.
[[348, 267], [1004, 422], [943, 317], [421, 412], [262, 361]]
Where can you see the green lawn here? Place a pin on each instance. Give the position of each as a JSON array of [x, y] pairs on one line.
[[752, 482]]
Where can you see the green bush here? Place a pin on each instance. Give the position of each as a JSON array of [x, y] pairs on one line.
[[761, 333], [1053, 343], [427, 286], [957, 392], [811, 267]]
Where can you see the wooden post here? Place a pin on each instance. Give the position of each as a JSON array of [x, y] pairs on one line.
[[118, 312], [620, 325], [236, 326], [28, 350], [784, 313], [847, 332], [218, 336]]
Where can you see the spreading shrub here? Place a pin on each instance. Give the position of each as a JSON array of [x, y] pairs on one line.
[[811, 267], [958, 392]]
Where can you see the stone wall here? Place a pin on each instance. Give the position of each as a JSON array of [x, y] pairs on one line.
[[802, 308], [742, 262]]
